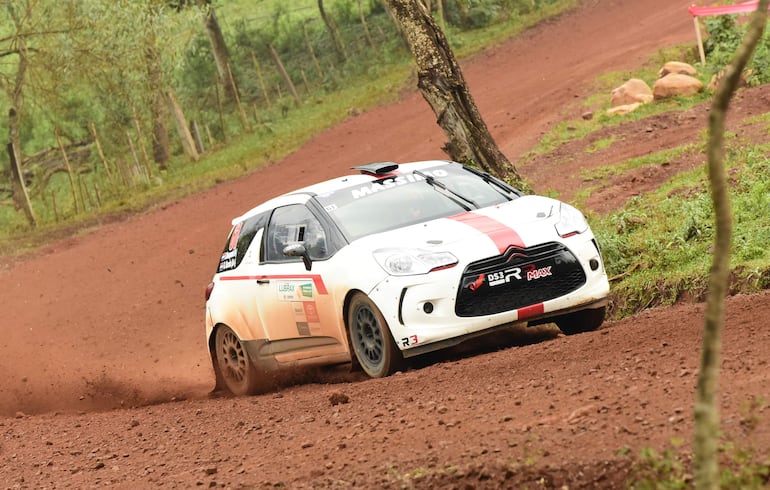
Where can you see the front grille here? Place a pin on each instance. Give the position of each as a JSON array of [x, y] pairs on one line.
[[520, 277]]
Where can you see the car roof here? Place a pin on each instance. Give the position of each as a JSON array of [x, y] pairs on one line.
[[368, 173]]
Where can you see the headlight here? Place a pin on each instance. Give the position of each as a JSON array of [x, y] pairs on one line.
[[399, 262], [571, 221]]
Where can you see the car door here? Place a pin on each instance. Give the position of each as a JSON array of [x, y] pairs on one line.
[[298, 306]]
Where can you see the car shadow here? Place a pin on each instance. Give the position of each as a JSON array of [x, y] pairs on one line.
[[505, 338], [513, 336]]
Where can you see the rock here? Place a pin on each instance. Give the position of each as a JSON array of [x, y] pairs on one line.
[[336, 398], [588, 115], [677, 67], [623, 109], [676, 84], [634, 90]]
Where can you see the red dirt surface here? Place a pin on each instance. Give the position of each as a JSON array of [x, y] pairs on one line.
[[105, 375]]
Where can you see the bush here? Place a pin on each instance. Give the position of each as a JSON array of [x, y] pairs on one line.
[[724, 35]]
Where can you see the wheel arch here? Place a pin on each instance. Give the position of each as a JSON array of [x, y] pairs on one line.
[[218, 381], [355, 366]]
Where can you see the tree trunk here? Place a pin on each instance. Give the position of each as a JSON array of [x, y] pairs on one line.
[[365, 26], [188, 145], [220, 52], [706, 413], [284, 74], [20, 194], [158, 108], [443, 86], [339, 45]]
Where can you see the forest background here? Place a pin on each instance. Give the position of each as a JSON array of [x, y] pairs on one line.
[[111, 109]]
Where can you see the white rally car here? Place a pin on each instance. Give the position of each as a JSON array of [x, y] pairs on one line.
[[392, 263]]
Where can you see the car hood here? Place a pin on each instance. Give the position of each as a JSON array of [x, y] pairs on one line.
[[522, 222]]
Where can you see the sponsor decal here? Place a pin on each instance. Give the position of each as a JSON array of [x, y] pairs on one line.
[[538, 273], [477, 283], [311, 312], [528, 272], [235, 235], [502, 277], [303, 329], [227, 260], [307, 290], [306, 317], [399, 180], [295, 291], [411, 340]]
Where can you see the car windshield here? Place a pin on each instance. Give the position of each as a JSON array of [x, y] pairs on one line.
[[412, 197]]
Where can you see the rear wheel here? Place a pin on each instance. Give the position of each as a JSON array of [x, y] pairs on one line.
[[235, 368], [370, 338], [581, 321]]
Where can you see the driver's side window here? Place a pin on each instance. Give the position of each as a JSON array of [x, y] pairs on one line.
[[294, 224]]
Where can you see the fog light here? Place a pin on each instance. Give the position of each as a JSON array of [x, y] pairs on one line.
[[427, 308], [593, 264]]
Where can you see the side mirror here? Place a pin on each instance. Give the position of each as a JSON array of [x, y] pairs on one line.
[[298, 250]]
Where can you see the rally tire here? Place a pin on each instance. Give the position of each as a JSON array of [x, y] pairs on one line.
[[235, 368], [581, 321], [370, 338]]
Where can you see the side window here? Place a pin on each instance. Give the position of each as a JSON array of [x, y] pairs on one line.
[[239, 240], [294, 224]]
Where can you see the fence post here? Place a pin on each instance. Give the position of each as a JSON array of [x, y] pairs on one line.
[[71, 174], [241, 112], [261, 80], [101, 152]]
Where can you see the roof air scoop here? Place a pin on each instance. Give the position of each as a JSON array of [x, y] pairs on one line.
[[377, 168]]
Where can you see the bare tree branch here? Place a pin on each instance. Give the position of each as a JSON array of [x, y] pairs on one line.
[[706, 413]]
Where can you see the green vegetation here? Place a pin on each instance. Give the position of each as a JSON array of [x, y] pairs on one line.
[[670, 469], [724, 35], [108, 86], [658, 246], [652, 160]]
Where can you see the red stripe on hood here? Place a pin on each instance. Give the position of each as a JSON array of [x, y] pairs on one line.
[[503, 236]]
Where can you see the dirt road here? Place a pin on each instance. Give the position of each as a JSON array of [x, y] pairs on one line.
[[113, 319]]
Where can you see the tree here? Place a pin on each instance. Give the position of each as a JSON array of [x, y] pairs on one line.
[[158, 106], [706, 413], [216, 40], [339, 45], [220, 52], [443, 86]]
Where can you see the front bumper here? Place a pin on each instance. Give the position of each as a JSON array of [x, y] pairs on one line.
[[426, 312]]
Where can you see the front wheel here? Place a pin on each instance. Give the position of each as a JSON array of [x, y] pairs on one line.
[[370, 338], [234, 366], [581, 321]]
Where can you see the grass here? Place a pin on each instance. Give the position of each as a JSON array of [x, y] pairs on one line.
[[671, 469], [577, 129], [659, 245], [620, 168]]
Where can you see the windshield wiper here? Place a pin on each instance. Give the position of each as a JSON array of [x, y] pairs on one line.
[[501, 188], [461, 200]]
